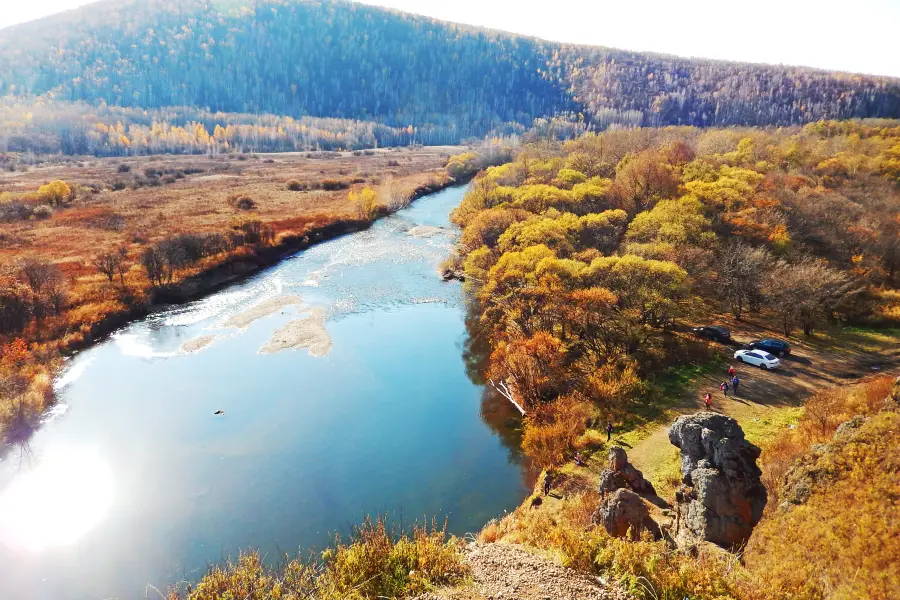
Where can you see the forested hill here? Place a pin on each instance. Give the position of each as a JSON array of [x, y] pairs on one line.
[[287, 57], [334, 59]]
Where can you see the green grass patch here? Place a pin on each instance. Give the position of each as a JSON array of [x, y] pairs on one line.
[[762, 429], [667, 396], [863, 338]]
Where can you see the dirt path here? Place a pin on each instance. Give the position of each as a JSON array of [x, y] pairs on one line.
[[508, 571], [822, 361]]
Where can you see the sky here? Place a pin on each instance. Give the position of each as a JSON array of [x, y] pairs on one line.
[[858, 36]]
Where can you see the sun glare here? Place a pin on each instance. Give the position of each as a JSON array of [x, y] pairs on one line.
[[56, 503]]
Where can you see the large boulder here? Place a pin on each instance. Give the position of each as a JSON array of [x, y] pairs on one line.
[[625, 514], [722, 498], [620, 473]]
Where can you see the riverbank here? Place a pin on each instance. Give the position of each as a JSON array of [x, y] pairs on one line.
[[262, 450], [88, 306]]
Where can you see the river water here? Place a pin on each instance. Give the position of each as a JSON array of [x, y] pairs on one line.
[[134, 480]]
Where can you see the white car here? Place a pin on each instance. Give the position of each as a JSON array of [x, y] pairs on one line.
[[759, 358]]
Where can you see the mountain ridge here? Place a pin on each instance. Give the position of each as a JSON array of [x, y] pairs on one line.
[[347, 60]]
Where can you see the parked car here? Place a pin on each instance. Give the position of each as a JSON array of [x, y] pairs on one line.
[[772, 346], [713, 332], [759, 358]]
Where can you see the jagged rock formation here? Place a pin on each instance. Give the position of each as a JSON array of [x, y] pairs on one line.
[[625, 510], [722, 497], [620, 473], [625, 514]]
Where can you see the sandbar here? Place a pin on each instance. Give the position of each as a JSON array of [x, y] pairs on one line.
[[308, 332], [424, 231], [198, 343], [244, 319]]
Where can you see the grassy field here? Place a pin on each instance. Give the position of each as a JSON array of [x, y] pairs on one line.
[[195, 194]]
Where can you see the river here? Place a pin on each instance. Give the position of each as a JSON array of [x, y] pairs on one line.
[[133, 480]]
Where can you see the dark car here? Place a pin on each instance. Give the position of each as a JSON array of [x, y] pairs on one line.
[[772, 346], [713, 332]]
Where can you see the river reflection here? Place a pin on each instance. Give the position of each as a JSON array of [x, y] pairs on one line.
[[56, 501]]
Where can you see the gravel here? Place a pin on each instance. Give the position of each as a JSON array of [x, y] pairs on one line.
[[503, 571]]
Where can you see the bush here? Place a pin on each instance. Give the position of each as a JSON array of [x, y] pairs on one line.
[[242, 202], [252, 232], [294, 186], [42, 212], [365, 202], [334, 184], [16, 307], [123, 168], [55, 192], [14, 211]]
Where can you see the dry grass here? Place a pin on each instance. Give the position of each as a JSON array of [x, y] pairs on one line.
[[647, 569], [837, 502], [376, 562], [200, 202]]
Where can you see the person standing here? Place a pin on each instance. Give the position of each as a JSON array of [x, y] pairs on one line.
[[735, 382], [724, 387], [608, 430], [707, 399], [730, 371]]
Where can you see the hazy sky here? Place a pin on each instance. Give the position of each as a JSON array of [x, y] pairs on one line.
[[860, 35]]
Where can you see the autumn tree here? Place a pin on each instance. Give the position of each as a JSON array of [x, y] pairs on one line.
[[650, 292], [532, 366], [550, 432], [643, 179], [55, 192], [365, 201]]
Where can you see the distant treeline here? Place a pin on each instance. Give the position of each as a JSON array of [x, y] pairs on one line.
[[350, 61], [47, 126]]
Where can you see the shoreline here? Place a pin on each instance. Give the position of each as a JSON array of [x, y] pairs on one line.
[[236, 269], [233, 269]]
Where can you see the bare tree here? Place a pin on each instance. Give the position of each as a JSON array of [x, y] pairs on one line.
[[807, 292], [393, 195], [47, 282], [742, 270], [154, 264], [38, 273], [122, 266], [108, 264]]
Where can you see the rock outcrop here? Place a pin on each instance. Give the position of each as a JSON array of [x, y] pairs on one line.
[[722, 498], [624, 513], [620, 473], [626, 495]]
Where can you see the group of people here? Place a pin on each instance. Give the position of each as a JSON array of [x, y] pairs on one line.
[[730, 383]]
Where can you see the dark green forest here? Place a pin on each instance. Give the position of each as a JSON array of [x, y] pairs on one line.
[[297, 58]]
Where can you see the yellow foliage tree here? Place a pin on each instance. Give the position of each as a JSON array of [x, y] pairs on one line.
[[365, 201], [55, 192]]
